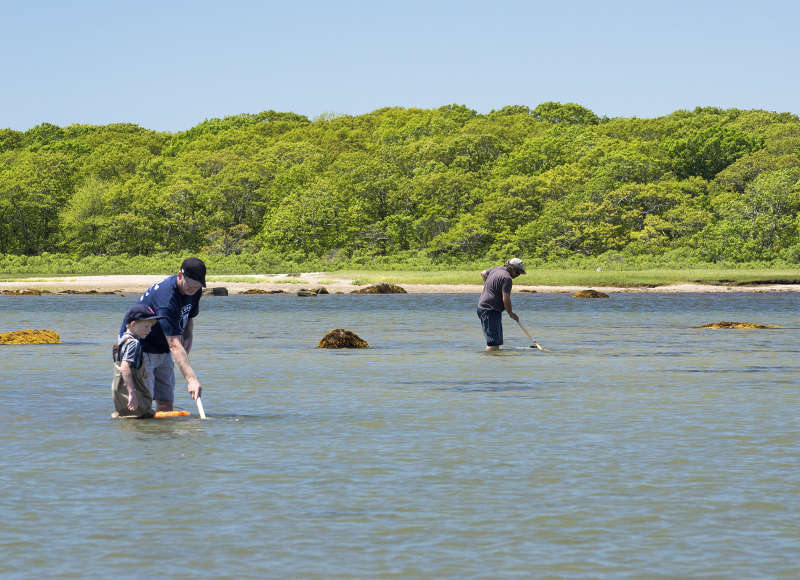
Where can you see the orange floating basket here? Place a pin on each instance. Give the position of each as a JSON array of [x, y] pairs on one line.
[[167, 414]]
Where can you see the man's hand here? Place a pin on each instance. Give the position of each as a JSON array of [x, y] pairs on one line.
[[133, 402], [514, 317], [195, 388]]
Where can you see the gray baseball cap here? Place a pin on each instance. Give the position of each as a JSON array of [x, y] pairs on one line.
[[517, 264]]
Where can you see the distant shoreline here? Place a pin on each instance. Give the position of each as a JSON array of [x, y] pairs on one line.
[[134, 284]]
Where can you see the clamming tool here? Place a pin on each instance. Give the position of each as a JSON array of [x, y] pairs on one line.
[[534, 344], [200, 408]]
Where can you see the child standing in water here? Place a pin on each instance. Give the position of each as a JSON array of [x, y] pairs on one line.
[[130, 393]]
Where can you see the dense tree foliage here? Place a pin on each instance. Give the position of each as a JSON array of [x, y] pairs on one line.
[[444, 184]]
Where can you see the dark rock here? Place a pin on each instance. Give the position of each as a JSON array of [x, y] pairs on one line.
[[341, 338]]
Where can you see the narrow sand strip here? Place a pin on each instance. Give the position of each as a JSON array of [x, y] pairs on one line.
[[134, 284]]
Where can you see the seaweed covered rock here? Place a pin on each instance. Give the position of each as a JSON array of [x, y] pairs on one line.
[[341, 338], [71, 291], [218, 291], [381, 288], [729, 324], [312, 291], [24, 292], [30, 336], [590, 294], [261, 291]]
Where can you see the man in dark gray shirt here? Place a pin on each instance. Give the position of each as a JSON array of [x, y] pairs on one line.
[[495, 298]]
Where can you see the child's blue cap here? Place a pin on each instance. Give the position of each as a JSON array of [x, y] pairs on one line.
[[140, 312]]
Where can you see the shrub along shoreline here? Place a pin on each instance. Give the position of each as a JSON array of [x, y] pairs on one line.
[[418, 188]]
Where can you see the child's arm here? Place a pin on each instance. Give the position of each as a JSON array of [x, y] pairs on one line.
[[127, 376]]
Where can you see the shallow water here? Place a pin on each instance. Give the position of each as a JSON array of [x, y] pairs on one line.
[[638, 448]]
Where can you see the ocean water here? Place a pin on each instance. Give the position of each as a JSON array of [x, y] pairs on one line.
[[638, 448]]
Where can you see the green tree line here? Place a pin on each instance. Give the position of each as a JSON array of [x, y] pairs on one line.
[[446, 184]]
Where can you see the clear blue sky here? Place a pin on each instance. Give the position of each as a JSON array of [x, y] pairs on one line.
[[168, 65]]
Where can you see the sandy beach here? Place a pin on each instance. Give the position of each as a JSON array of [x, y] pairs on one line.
[[132, 284]]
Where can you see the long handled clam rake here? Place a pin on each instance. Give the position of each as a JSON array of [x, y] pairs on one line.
[[534, 344], [200, 408]]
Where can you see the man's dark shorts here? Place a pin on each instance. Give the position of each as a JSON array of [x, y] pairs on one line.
[[492, 325]]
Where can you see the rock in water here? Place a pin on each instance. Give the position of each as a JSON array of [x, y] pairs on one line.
[[590, 294], [341, 338], [381, 288], [30, 336], [312, 291]]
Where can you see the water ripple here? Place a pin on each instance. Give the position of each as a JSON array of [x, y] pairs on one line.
[[637, 448]]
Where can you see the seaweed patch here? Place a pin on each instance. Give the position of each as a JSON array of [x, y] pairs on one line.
[[30, 336], [729, 324], [342, 338]]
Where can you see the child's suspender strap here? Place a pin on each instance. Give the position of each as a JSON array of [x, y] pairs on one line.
[[116, 348]]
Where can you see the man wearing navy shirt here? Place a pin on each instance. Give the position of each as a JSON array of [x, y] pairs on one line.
[[176, 300]]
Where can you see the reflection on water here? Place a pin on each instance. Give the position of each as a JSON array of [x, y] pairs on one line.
[[639, 447]]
